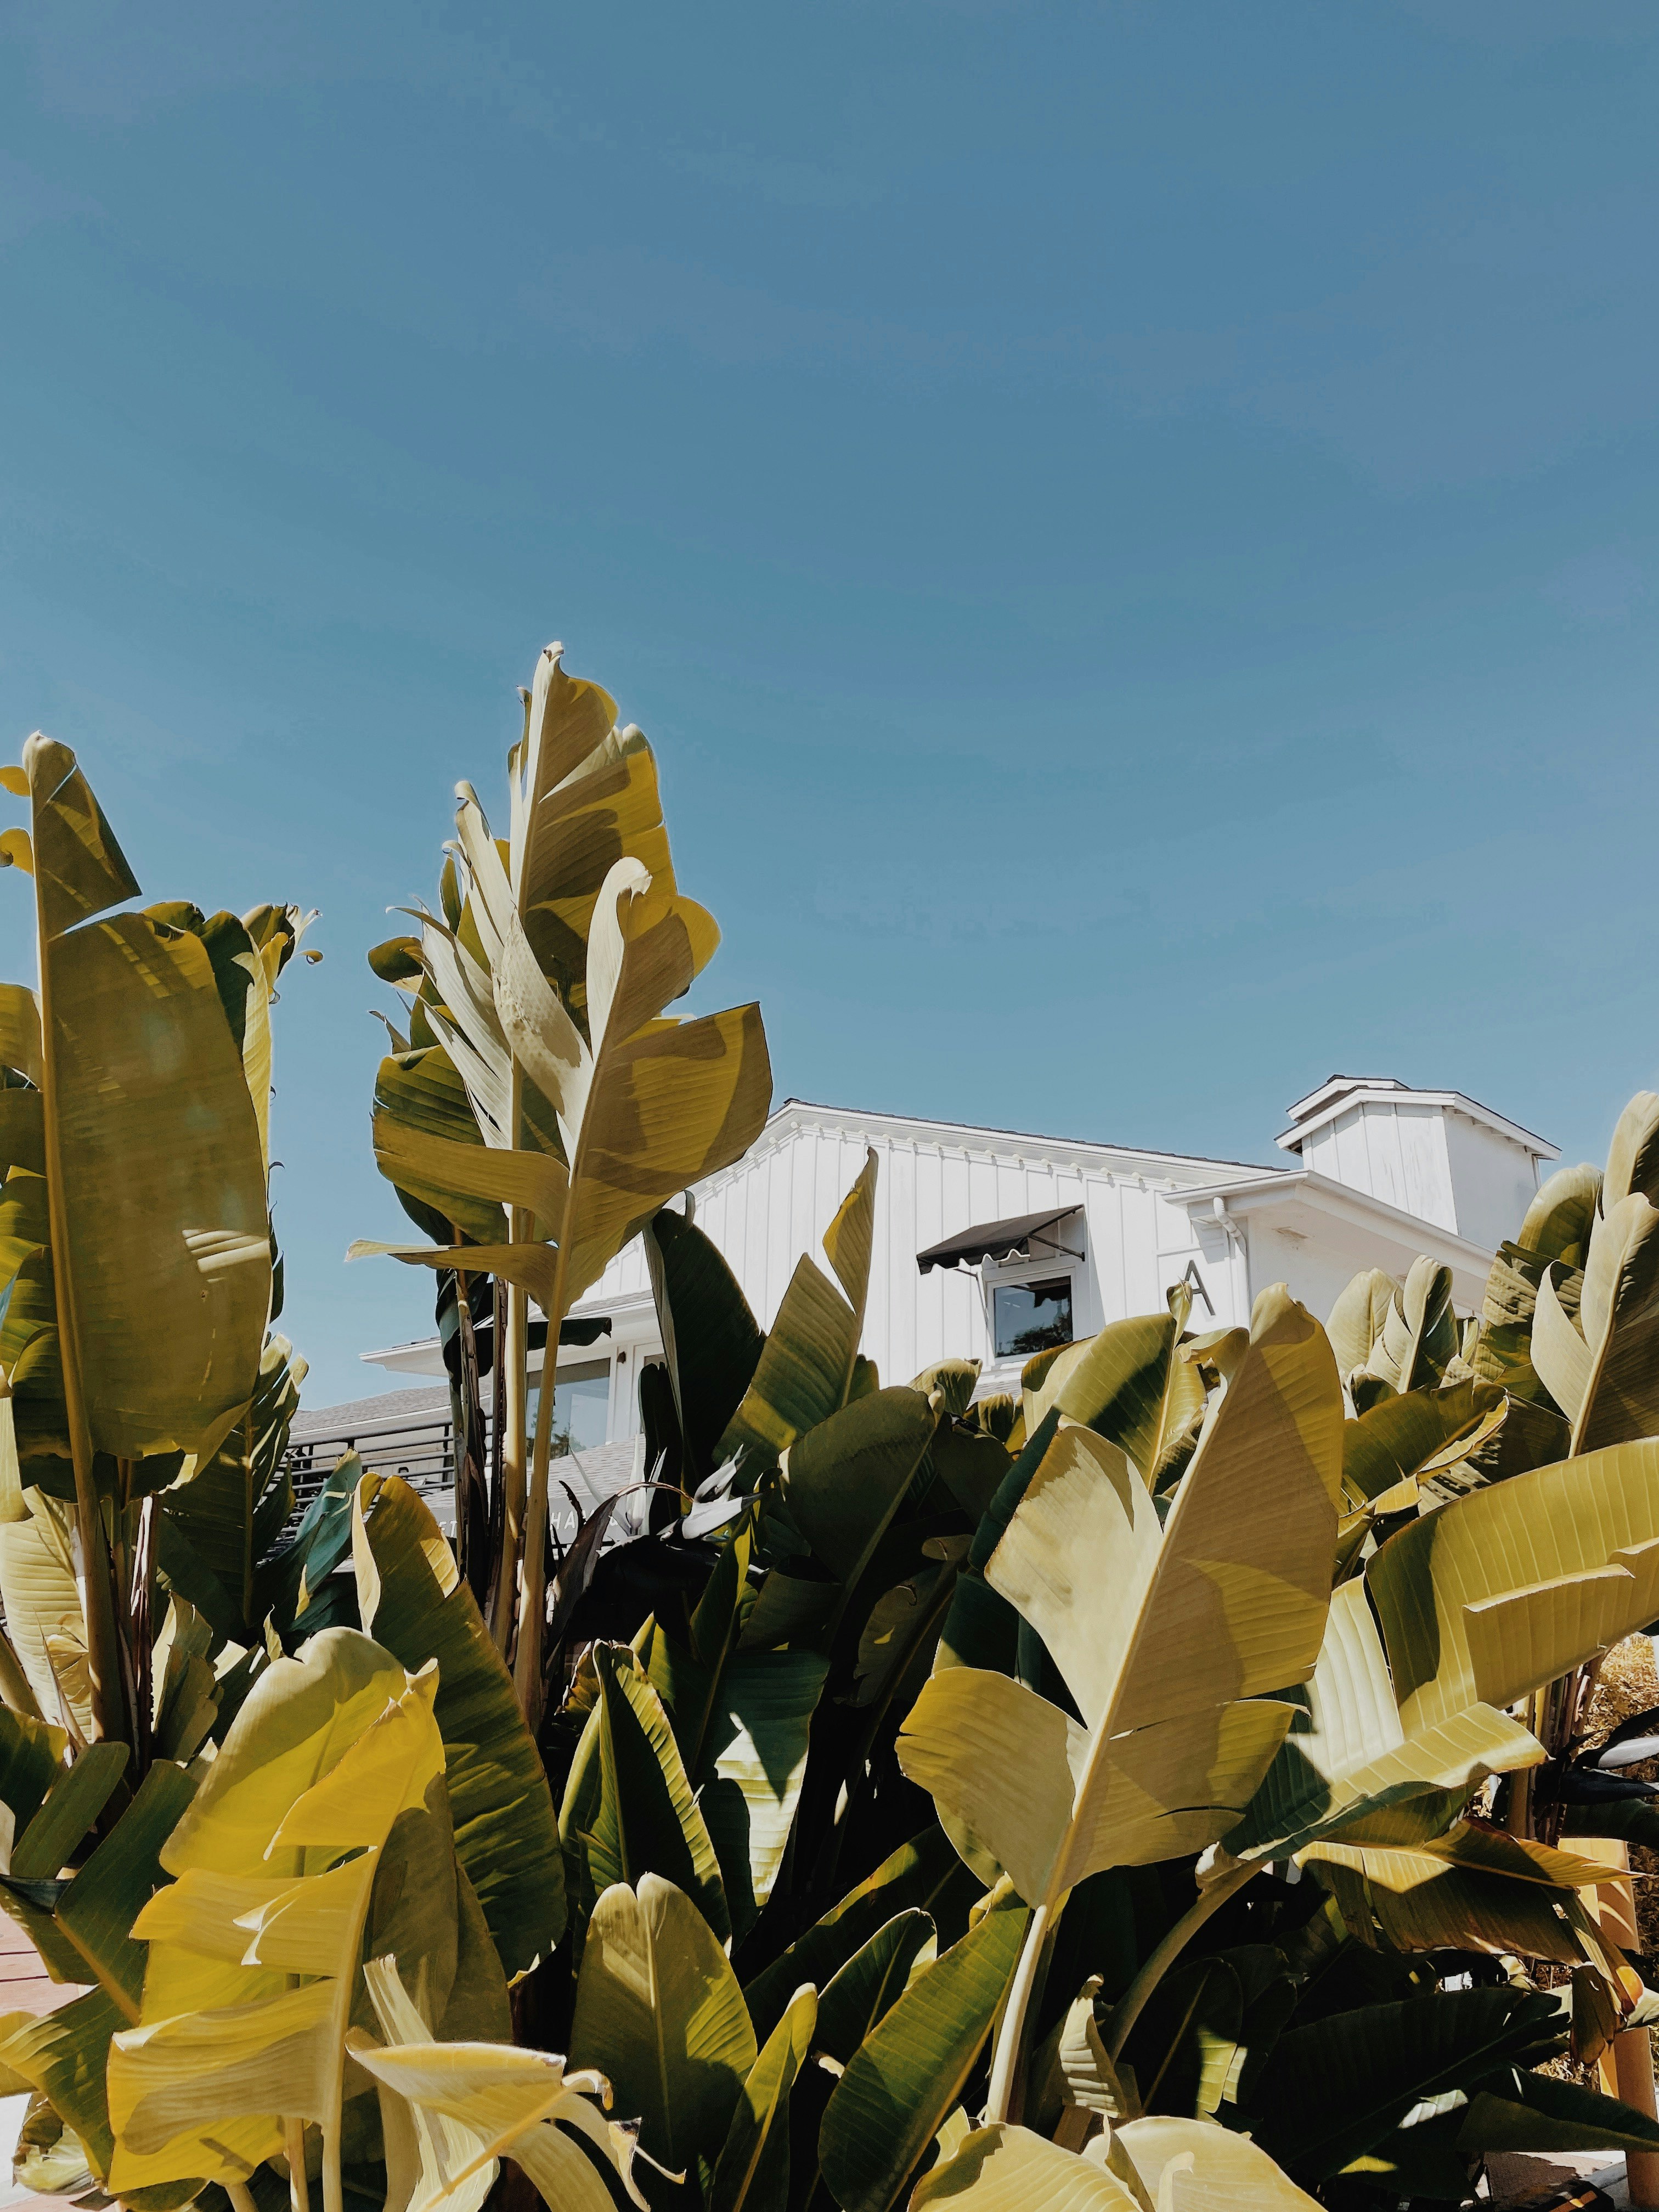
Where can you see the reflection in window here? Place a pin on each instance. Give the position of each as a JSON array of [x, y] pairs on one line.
[[1032, 1316], [581, 1406]]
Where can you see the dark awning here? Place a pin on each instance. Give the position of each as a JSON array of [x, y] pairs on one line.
[[993, 1240]]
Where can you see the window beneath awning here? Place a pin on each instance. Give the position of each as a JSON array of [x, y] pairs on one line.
[[1023, 1236], [1031, 1317]]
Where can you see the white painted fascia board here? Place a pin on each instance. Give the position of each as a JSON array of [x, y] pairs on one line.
[[1450, 1101], [1341, 1086], [422, 1355], [633, 1320], [1076, 1155], [1357, 1207]]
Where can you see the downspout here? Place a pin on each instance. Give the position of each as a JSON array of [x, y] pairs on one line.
[[1234, 1232]]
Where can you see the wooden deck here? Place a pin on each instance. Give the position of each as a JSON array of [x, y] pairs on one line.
[[24, 1985]]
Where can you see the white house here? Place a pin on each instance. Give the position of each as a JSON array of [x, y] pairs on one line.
[[990, 1243]]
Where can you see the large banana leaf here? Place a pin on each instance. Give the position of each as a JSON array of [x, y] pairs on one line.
[[1401, 1435], [1502, 1591], [845, 1478], [1418, 1335], [1351, 1765], [160, 1241], [1602, 1367], [752, 2173], [420, 1101], [83, 1935], [1476, 1890], [857, 1996], [629, 1808], [42, 1601], [646, 1106], [1358, 1317], [806, 1367], [905, 2077], [923, 1875], [414, 1603], [1557, 1226], [1004, 2169], [469, 2104], [1133, 1387], [1527, 2112], [1334, 2088], [216, 1533], [741, 1719], [1205, 2169], [326, 1756], [1226, 1602], [710, 1339], [658, 2013]]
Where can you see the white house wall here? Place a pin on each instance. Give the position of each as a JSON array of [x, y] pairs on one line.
[[777, 1203], [1393, 1152], [1495, 1180]]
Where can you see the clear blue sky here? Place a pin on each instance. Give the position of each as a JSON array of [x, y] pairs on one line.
[[1133, 529]]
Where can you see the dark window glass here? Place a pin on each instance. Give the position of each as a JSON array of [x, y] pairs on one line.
[[1032, 1316]]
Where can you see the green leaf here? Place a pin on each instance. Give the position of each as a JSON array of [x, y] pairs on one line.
[[1534, 2112], [1506, 1588], [629, 1808], [752, 2174], [216, 1533], [1356, 1318], [421, 1092], [1004, 2169], [1238, 1581], [1184, 2044], [859, 1995], [924, 1874], [97, 1911], [1133, 1387], [903, 2080], [276, 1859], [1224, 2172], [1334, 2088], [846, 1477], [31, 1761], [65, 2054], [1352, 1761], [74, 1803], [754, 1763], [710, 1339], [169, 1295], [1396, 1439], [660, 2014], [507, 1837], [805, 1365], [1418, 1336]]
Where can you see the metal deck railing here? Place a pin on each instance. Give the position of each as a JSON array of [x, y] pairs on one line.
[[422, 1451]]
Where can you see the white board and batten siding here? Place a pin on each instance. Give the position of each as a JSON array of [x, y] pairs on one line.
[[935, 1180], [1434, 1154]]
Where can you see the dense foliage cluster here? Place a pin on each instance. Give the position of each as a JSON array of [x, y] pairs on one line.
[[1170, 1789]]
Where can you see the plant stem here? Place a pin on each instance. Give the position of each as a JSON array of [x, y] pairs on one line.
[[299, 2189], [240, 2197], [1127, 2009], [109, 1716], [1011, 2033], [532, 1611], [512, 1374]]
